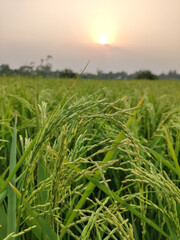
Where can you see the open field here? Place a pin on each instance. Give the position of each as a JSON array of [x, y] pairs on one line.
[[96, 161]]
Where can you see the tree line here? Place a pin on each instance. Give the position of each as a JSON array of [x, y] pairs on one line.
[[44, 69], [143, 74]]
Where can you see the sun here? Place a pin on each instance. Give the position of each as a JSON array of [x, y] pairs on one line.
[[103, 39]]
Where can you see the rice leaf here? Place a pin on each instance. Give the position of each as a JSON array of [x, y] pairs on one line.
[[3, 222], [171, 230], [173, 155], [3, 196], [164, 161], [11, 213]]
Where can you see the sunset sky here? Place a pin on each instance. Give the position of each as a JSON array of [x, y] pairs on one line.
[[138, 34]]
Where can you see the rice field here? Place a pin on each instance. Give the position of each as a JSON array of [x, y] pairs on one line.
[[92, 160]]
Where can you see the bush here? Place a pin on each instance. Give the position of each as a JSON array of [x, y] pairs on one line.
[[67, 73], [146, 75]]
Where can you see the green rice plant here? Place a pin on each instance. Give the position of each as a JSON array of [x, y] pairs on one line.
[[166, 191], [45, 134], [128, 207], [107, 158], [69, 144]]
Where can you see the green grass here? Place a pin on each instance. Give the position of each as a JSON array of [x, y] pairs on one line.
[[91, 160]]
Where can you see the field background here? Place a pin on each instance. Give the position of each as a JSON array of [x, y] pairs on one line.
[[86, 164]]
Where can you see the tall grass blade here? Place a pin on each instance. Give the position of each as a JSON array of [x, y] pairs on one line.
[[164, 161], [171, 230], [3, 222], [73, 85], [3, 196], [11, 213], [42, 175], [19, 163], [173, 155], [4, 173]]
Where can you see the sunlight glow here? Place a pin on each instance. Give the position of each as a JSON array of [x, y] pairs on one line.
[[103, 29], [103, 39], [104, 35]]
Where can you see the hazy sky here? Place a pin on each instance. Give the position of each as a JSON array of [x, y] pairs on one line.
[[141, 34]]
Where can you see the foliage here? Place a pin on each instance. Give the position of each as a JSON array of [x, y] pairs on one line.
[[5, 70], [67, 73], [146, 75], [44, 69], [86, 163]]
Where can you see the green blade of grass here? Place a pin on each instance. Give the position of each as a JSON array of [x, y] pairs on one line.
[[42, 175], [15, 169], [3, 196], [109, 155], [11, 213], [77, 79], [171, 230], [164, 161], [3, 222], [4, 173], [135, 231], [173, 155]]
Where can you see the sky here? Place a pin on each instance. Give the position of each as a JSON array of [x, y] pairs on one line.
[[138, 34]]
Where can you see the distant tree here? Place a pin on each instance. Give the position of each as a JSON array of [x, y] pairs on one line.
[[67, 73], [45, 67], [146, 75], [25, 71], [100, 74], [89, 76], [5, 70], [123, 75], [120, 75], [173, 75], [110, 75]]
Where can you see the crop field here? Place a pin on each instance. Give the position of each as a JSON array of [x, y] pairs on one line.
[[89, 159]]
